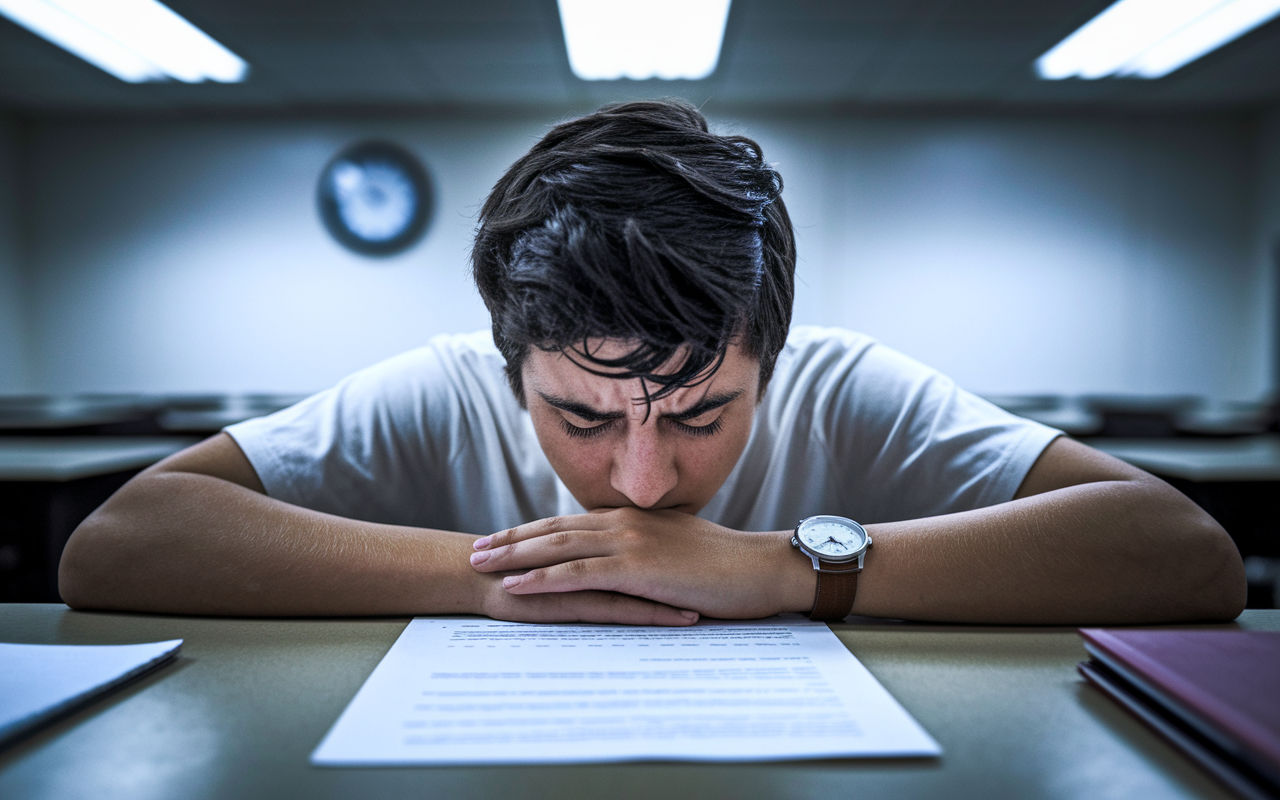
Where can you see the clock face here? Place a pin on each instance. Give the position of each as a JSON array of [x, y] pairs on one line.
[[375, 198], [829, 537]]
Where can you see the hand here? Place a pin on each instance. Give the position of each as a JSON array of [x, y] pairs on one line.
[[604, 607], [665, 556]]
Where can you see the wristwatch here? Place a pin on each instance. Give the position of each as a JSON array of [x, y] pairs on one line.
[[837, 546]]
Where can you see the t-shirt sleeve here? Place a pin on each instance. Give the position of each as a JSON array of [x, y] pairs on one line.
[[912, 444], [370, 448]]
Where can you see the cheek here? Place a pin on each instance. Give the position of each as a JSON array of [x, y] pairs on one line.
[[576, 462], [705, 463], [578, 465]]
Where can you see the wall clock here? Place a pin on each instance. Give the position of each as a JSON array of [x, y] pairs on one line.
[[375, 198]]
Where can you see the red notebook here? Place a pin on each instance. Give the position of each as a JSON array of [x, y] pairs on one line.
[[1214, 694]]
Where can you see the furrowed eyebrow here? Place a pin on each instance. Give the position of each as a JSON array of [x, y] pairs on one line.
[[581, 410], [586, 412], [707, 404]]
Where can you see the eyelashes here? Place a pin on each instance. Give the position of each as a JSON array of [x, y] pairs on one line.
[[584, 433], [710, 429]]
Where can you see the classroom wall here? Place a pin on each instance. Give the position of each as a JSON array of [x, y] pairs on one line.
[[1040, 254], [14, 375], [1022, 254], [189, 257], [1266, 239]]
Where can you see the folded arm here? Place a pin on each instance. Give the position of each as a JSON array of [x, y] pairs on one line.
[[197, 534], [1087, 540]]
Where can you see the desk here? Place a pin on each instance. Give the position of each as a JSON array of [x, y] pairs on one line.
[[248, 700], [1247, 458], [69, 458]]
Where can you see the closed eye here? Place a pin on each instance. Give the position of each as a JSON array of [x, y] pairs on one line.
[[579, 432], [710, 429]]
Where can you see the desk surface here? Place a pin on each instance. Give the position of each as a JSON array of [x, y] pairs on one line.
[[1246, 458], [66, 458], [240, 712]]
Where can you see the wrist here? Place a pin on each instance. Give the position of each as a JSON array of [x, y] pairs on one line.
[[483, 588], [795, 580], [475, 591]]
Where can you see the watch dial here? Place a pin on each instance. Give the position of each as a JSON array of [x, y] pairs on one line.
[[831, 538], [375, 198]]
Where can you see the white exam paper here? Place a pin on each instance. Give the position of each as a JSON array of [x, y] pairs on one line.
[[479, 691]]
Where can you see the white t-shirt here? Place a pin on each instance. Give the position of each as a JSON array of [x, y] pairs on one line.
[[434, 438]]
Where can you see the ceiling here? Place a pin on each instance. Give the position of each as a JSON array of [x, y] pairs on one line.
[[318, 54]]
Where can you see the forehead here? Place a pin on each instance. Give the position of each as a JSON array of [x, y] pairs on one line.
[[555, 373]]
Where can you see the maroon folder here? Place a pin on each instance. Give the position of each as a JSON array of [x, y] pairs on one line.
[[1214, 694]]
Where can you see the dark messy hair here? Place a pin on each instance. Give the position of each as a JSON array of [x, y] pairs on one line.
[[636, 223]]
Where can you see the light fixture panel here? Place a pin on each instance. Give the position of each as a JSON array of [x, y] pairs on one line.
[[1151, 38], [1225, 24], [642, 39], [134, 40]]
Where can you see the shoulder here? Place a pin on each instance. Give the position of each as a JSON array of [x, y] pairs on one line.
[[446, 369], [475, 349], [466, 352], [836, 364], [416, 396], [859, 395], [912, 441], [363, 448], [806, 342]]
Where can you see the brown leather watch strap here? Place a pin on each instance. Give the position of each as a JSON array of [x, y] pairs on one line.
[[833, 599]]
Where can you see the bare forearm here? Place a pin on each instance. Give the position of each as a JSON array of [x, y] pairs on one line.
[[180, 542], [1105, 552]]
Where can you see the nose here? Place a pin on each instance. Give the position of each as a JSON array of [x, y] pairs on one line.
[[644, 466]]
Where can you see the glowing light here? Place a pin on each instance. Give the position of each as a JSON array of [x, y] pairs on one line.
[[134, 40], [641, 39], [1151, 38]]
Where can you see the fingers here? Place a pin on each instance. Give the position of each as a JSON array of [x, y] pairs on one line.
[[543, 551], [541, 527], [584, 574], [598, 607]]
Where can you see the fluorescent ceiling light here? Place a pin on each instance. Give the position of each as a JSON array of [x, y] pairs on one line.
[[1151, 38], [640, 39], [134, 40]]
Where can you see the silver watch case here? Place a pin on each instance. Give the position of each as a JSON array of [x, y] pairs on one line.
[[817, 558]]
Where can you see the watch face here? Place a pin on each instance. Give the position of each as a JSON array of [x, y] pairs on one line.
[[375, 198], [832, 537]]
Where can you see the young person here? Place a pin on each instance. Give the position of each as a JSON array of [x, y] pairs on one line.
[[637, 439]]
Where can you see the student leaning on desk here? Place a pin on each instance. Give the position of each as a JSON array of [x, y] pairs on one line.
[[639, 272]]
